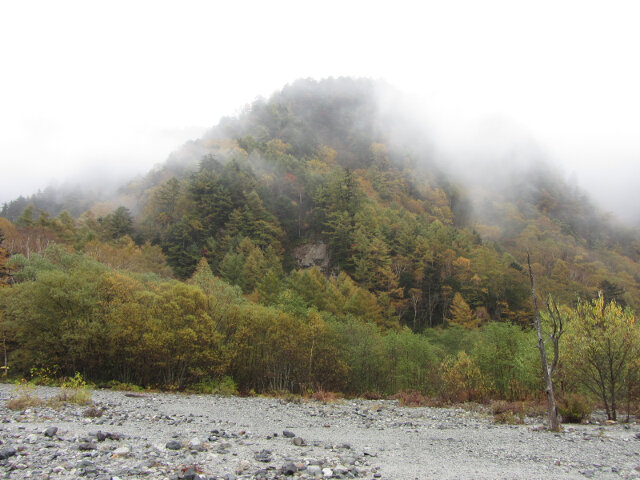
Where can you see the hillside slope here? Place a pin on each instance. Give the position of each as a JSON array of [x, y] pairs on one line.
[[339, 162]]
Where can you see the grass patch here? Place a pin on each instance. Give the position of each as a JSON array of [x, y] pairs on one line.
[[25, 397]]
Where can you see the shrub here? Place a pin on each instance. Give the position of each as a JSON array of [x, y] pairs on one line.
[[74, 390], [369, 395], [503, 353], [45, 375], [574, 408], [508, 418], [219, 386], [326, 397], [412, 398], [93, 412], [510, 413], [462, 380], [124, 386], [411, 362]]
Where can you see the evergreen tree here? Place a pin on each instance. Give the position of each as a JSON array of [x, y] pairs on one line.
[[461, 314], [26, 217], [118, 224]]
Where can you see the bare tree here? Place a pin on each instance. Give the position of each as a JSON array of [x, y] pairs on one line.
[[547, 370]]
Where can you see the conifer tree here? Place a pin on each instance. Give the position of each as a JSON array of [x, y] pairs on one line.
[[461, 314]]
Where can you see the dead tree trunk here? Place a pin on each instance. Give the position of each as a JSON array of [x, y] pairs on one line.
[[547, 371]]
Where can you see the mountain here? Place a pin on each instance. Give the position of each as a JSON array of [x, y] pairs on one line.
[[341, 162], [322, 242]]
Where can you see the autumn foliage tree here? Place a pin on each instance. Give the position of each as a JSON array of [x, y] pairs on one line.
[[603, 346], [461, 314]]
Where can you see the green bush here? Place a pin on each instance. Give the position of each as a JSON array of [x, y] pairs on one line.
[[506, 354], [411, 362], [574, 408], [219, 386]]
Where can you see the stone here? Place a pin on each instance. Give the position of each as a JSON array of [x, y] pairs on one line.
[[190, 474], [314, 470], [288, 434], [101, 436], [243, 466], [87, 446], [84, 463], [51, 431], [263, 456], [196, 444], [368, 451], [327, 473], [7, 452], [173, 445], [340, 470], [298, 442], [289, 468], [121, 452]]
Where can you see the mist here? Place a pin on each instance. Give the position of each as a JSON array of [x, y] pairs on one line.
[[492, 151], [80, 101], [496, 151]]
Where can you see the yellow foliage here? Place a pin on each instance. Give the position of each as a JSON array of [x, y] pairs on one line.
[[126, 255], [461, 314], [462, 379]]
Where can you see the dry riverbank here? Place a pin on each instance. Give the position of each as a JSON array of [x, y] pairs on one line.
[[170, 436]]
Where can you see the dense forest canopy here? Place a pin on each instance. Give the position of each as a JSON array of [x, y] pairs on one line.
[[339, 163]]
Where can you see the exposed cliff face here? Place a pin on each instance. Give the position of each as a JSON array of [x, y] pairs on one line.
[[312, 254]]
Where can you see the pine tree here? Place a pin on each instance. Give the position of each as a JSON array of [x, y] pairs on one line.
[[461, 314]]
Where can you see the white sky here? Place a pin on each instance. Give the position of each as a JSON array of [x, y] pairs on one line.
[[90, 87]]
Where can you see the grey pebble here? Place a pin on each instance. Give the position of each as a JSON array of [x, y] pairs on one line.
[[173, 445], [7, 452]]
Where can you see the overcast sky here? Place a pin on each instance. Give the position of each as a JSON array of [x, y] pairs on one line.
[[89, 88]]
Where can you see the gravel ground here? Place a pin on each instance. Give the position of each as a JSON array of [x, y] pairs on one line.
[[172, 436]]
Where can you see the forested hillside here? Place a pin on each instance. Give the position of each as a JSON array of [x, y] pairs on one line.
[[216, 232]]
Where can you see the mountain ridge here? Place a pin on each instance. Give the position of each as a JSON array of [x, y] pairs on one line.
[[323, 161]]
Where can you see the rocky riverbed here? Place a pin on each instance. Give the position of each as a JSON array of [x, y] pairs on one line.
[[176, 436]]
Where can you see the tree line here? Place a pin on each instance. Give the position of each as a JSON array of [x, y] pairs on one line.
[[68, 313]]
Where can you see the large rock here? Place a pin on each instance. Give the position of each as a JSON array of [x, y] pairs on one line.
[[312, 254], [7, 452]]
